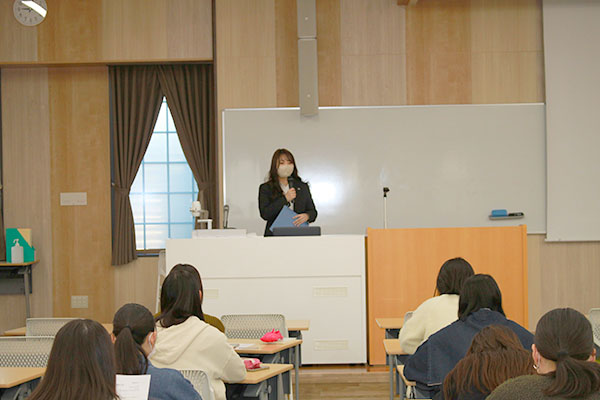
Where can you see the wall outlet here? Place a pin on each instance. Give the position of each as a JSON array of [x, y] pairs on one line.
[[73, 199], [79, 302]]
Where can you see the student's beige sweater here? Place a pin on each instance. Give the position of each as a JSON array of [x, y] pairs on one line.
[[194, 344]]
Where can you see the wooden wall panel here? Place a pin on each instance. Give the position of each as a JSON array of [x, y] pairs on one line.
[[26, 179], [373, 53], [189, 30], [286, 47], [71, 32], [507, 51], [329, 52], [17, 42], [438, 44], [136, 283], [403, 265], [562, 275], [101, 31], [80, 149]]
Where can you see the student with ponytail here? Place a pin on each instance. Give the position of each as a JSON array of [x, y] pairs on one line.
[[564, 358], [134, 337]]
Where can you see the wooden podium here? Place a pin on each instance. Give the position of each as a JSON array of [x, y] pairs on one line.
[[402, 267]]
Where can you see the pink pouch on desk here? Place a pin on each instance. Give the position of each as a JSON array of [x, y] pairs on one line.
[[272, 336], [251, 363]]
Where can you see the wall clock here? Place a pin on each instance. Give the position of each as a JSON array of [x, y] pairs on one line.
[[30, 12]]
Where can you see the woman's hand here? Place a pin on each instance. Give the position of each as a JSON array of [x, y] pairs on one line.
[[300, 219], [290, 195]]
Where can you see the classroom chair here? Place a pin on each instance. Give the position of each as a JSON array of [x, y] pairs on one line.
[[45, 326], [253, 326], [25, 351], [199, 380], [594, 317]]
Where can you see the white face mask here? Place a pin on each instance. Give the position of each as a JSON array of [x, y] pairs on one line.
[[285, 170]]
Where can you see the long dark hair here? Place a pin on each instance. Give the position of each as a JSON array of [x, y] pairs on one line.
[[179, 298], [495, 355], [452, 276], [81, 364], [196, 275], [565, 336], [131, 324], [273, 177], [479, 291]]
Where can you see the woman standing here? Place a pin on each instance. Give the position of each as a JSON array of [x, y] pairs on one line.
[[285, 188]]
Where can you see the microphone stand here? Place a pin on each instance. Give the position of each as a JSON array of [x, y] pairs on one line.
[[385, 192]]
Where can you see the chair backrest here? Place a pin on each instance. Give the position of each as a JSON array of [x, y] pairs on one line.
[[252, 326], [594, 317], [45, 326], [25, 351], [200, 381], [408, 316]]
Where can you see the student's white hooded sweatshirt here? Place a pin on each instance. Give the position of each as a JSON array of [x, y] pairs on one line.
[[194, 344]]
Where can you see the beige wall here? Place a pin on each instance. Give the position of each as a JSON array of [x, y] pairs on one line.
[[370, 52]]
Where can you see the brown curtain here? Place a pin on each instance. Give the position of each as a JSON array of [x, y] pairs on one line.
[[136, 98], [190, 95]]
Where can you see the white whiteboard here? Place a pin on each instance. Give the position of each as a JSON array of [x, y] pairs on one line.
[[446, 166], [572, 56]]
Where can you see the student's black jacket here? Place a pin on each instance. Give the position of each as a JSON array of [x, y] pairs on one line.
[[270, 203]]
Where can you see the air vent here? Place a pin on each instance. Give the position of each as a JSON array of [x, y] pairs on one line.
[[331, 345], [330, 291]]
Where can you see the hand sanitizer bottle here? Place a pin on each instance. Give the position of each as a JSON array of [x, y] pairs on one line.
[[16, 252]]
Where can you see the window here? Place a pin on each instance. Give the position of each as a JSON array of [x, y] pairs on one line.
[[164, 188]]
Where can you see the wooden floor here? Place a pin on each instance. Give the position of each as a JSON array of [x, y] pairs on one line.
[[344, 382]]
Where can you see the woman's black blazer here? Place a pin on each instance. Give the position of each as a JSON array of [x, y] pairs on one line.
[[271, 202]]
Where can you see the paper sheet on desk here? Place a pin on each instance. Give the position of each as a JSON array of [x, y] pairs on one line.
[[243, 346], [133, 387], [285, 219]]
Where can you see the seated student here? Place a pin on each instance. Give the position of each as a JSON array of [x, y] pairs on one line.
[[134, 338], [495, 356], [81, 364], [185, 341], [479, 305], [439, 311], [564, 357], [209, 319]]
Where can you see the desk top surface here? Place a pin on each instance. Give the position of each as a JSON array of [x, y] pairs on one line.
[[297, 324], [390, 323], [254, 377], [13, 376], [22, 330], [259, 347], [392, 347], [23, 264]]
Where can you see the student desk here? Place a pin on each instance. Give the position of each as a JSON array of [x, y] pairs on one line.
[[286, 347], [16, 381], [23, 330], [255, 380], [24, 269], [392, 350], [392, 326], [295, 328]]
